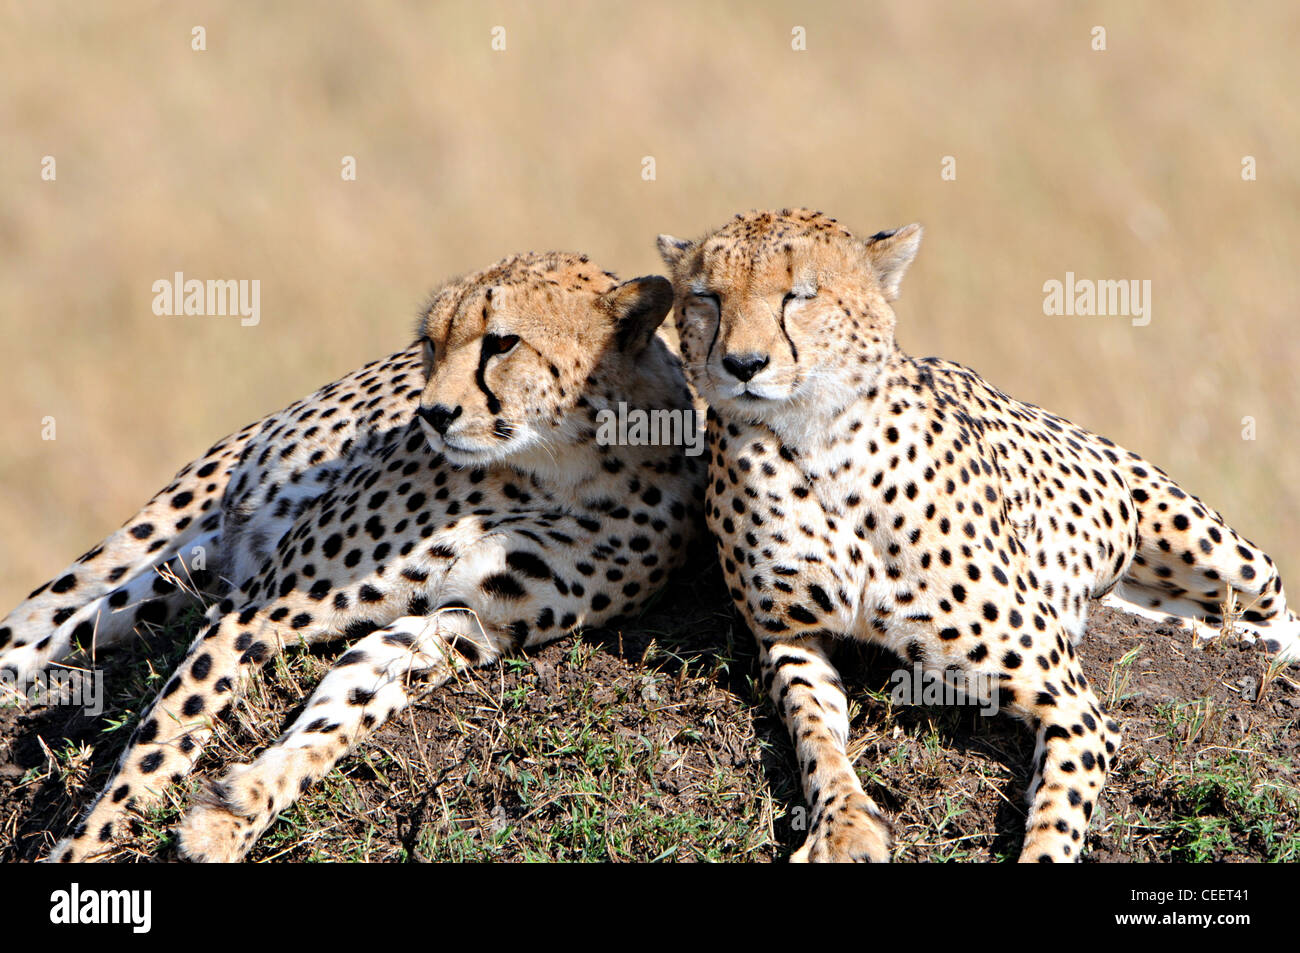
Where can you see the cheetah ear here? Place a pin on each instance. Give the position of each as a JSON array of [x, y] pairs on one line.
[[637, 308], [673, 250], [890, 253]]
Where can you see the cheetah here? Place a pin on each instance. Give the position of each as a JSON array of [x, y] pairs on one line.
[[856, 493], [435, 509]]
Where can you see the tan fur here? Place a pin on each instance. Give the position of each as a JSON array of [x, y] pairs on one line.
[[430, 544], [857, 493]]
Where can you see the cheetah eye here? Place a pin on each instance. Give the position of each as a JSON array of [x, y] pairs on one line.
[[707, 298], [793, 295], [430, 352], [504, 344]]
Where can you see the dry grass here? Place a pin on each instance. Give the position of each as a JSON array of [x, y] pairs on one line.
[[226, 163]]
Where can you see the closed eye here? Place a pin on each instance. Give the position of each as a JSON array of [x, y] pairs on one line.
[[801, 294], [499, 344]]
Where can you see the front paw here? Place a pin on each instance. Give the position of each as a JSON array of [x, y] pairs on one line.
[[211, 832], [212, 835], [849, 830]]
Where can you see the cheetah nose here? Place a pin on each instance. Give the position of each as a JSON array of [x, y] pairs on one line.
[[439, 417], [745, 366]]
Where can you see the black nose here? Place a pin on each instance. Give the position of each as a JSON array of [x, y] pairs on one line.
[[439, 417], [744, 366]]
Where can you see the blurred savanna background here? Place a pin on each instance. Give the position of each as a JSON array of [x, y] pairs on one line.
[[596, 127]]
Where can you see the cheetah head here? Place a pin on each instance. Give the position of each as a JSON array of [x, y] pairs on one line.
[[783, 313], [516, 355]]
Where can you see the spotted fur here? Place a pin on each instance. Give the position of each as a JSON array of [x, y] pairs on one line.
[[858, 493], [436, 509]]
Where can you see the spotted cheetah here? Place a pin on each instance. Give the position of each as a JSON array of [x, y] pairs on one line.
[[435, 509], [858, 493]]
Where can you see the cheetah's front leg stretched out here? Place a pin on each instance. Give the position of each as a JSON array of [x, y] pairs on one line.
[[468, 511], [857, 493]]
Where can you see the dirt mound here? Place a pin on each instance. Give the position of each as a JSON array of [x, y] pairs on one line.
[[651, 742]]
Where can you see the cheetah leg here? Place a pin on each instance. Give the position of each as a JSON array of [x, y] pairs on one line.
[[366, 687], [155, 594], [519, 600], [172, 734], [846, 825], [1187, 557], [1077, 742], [170, 523]]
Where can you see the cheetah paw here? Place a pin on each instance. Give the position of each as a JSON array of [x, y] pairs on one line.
[[212, 833], [852, 833]]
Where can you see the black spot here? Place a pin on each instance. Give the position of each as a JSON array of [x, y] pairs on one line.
[[529, 564], [467, 649], [801, 614], [202, 667], [151, 762], [503, 585], [81, 635], [819, 596], [153, 612]]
